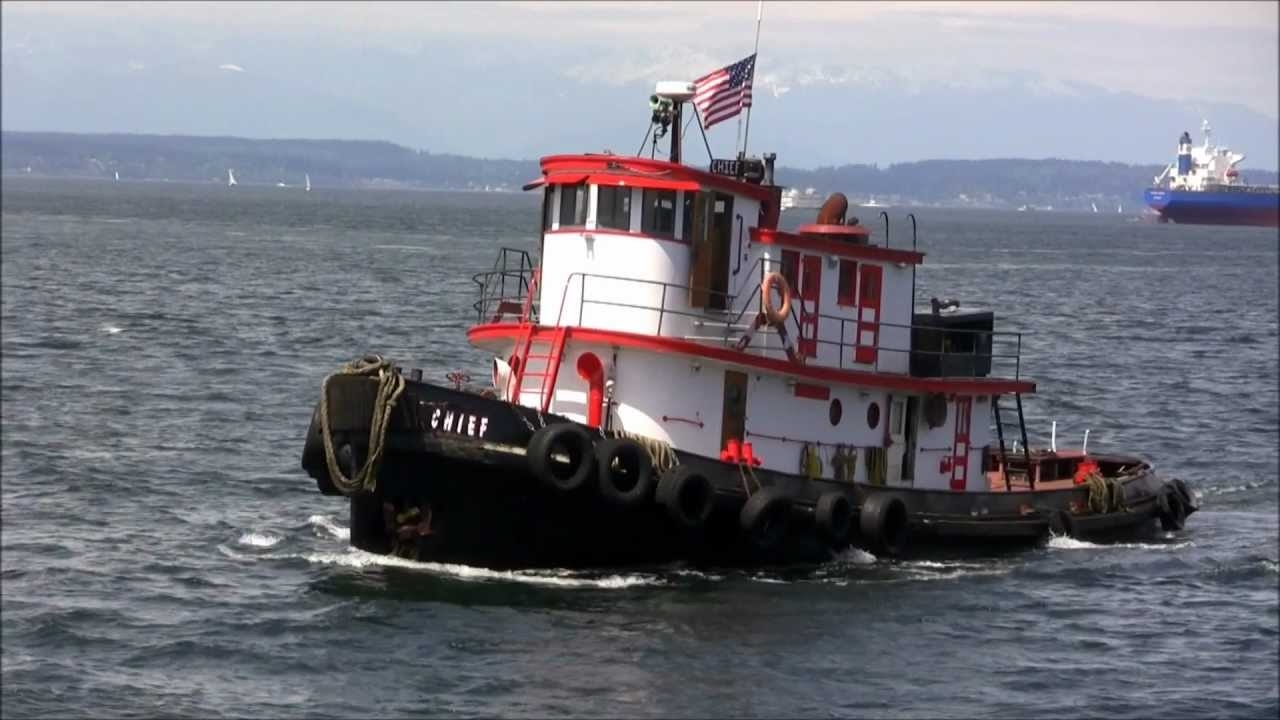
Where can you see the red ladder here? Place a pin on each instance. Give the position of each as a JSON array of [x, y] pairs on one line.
[[550, 369], [960, 450]]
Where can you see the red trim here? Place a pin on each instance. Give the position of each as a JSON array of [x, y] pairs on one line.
[[810, 292], [565, 179], [813, 392], [839, 248], [641, 181], [627, 167], [580, 230], [870, 293], [972, 386], [960, 450], [834, 230]]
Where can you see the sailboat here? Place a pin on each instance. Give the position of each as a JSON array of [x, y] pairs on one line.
[[117, 176], [1094, 206], [308, 186], [231, 178], [1120, 208]]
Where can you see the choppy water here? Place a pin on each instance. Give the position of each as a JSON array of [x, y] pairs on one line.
[[163, 554]]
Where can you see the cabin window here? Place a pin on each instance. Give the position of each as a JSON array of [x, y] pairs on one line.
[[573, 205], [658, 216], [791, 270], [687, 205], [613, 207], [548, 207], [847, 289], [873, 415]]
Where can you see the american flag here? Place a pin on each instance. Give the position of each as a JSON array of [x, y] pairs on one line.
[[722, 94]]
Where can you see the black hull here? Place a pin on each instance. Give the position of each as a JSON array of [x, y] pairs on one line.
[[459, 457]]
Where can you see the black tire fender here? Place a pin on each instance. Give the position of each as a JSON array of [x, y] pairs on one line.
[[688, 496], [1062, 523], [883, 522], [1188, 500], [765, 517], [833, 516], [576, 460], [1170, 509], [624, 471]]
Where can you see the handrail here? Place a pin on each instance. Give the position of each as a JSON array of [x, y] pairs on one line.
[[978, 361]]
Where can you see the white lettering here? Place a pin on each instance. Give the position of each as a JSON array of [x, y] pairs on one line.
[[461, 420], [471, 426], [448, 420], [435, 418], [484, 425]]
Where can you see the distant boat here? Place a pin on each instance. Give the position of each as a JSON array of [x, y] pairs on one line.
[[308, 177], [1203, 187], [117, 176], [231, 178], [1094, 206], [1120, 207], [281, 184], [872, 203]]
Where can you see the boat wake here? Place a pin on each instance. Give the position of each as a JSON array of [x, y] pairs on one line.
[[1063, 542], [326, 526], [260, 540]]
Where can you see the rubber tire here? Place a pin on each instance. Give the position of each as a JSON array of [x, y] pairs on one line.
[[1188, 499], [1062, 523], [688, 496], [833, 516], [884, 524], [1170, 510], [634, 462], [570, 439], [765, 517]]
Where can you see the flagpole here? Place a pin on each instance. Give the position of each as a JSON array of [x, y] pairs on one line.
[[755, 53]]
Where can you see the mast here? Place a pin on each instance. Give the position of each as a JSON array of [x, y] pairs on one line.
[[755, 52]]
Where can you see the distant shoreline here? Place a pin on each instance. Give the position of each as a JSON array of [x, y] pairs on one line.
[[991, 183]]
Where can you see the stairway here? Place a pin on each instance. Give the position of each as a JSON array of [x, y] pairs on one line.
[[545, 356], [1023, 469]]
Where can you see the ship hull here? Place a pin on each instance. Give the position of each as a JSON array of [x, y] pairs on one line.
[[1234, 207], [457, 485]]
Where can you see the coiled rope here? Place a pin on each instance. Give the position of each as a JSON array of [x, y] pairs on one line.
[[1105, 495], [390, 386], [664, 457]]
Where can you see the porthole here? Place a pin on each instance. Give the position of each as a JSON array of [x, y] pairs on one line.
[[873, 415], [835, 411]]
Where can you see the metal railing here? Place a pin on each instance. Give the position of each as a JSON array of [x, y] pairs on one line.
[[988, 352]]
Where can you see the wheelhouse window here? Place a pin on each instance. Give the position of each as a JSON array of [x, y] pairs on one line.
[[658, 213], [613, 207], [548, 207], [791, 270], [847, 289], [687, 214], [573, 205]]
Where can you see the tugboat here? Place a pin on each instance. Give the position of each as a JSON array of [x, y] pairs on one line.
[[676, 379]]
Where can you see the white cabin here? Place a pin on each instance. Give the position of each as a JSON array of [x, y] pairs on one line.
[[645, 312]]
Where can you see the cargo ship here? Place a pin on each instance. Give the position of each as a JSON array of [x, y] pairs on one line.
[[1204, 188]]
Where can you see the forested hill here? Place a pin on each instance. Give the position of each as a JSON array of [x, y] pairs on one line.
[[1063, 184]]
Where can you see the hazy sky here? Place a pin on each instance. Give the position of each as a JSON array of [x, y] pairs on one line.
[[1223, 53]]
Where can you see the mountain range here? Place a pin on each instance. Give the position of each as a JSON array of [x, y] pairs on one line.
[[1065, 184]]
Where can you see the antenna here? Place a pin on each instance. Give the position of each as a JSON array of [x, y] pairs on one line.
[[755, 53]]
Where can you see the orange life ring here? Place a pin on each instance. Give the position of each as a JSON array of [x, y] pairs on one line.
[[775, 316]]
